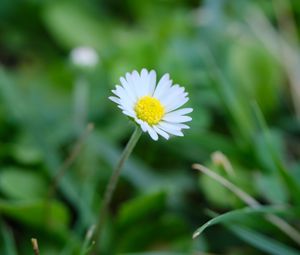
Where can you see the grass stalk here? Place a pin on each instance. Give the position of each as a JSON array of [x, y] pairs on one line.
[[275, 220]]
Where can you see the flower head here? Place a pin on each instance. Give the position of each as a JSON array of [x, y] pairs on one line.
[[153, 106], [84, 56]]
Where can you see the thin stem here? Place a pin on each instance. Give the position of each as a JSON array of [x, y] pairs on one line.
[[110, 188], [227, 184], [64, 167], [88, 243], [70, 159], [35, 246]]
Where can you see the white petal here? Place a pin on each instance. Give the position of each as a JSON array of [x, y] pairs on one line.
[[144, 81], [130, 81], [130, 114], [125, 108], [144, 73], [179, 112], [177, 119], [115, 99], [181, 126], [176, 104], [141, 123], [163, 84], [170, 129], [161, 132], [152, 132], [116, 92], [152, 82], [137, 83], [127, 105], [172, 94], [122, 94], [168, 125], [165, 88], [128, 88]]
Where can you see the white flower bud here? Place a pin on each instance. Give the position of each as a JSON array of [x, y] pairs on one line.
[[84, 56]]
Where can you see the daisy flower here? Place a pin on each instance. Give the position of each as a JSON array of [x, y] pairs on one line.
[[84, 56], [153, 106]]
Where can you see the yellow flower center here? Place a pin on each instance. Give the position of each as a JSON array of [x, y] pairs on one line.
[[149, 109]]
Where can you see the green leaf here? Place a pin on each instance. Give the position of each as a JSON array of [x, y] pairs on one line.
[[262, 242], [63, 16], [291, 184], [215, 193], [9, 246], [143, 207], [22, 184], [171, 235], [270, 186], [27, 154], [54, 215], [256, 72], [228, 94], [262, 149], [237, 215]]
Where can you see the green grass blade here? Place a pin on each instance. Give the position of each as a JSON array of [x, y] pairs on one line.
[[262, 242], [9, 246], [290, 182], [236, 215]]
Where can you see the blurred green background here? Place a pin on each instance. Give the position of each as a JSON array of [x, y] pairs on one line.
[[239, 61]]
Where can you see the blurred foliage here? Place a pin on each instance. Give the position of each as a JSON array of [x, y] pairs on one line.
[[238, 59]]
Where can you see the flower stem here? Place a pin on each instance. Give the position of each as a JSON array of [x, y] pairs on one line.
[[35, 246], [112, 185]]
